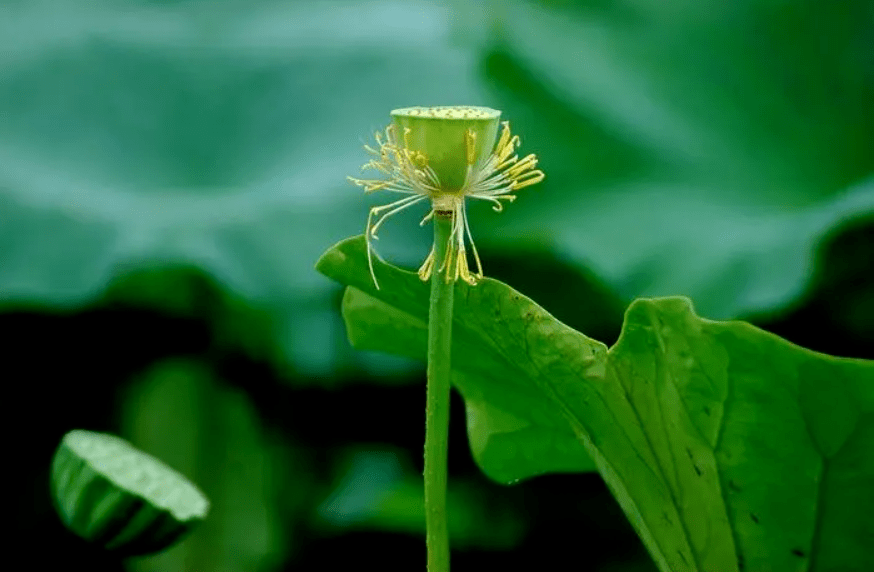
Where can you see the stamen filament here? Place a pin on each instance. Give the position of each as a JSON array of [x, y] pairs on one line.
[[408, 201], [371, 229], [479, 266]]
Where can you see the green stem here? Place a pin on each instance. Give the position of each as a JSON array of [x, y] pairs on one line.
[[437, 416]]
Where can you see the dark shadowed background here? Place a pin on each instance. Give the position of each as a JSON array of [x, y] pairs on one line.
[[171, 170]]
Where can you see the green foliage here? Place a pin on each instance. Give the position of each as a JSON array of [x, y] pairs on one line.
[[180, 411], [695, 148], [727, 447], [378, 490], [221, 143], [190, 158]]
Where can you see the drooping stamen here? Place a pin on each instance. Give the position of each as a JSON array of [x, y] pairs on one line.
[[479, 266], [427, 266], [401, 205], [371, 229]]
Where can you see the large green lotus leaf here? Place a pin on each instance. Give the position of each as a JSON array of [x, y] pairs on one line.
[[216, 136], [689, 145], [500, 403], [213, 136], [727, 447]]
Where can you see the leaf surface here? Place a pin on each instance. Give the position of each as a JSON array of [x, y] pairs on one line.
[[727, 447], [139, 137], [672, 170]]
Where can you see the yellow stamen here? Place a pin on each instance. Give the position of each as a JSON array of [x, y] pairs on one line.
[[510, 146], [528, 162], [507, 163], [479, 266], [427, 266], [448, 256], [470, 140], [534, 177], [399, 157], [505, 138], [460, 263]]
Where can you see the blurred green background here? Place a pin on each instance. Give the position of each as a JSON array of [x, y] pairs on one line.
[[171, 170]]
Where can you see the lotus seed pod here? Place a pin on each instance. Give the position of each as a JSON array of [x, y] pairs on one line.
[[445, 155], [449, 140], [120, 498]]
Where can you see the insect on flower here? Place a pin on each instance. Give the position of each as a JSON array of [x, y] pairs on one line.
[[445, 154]]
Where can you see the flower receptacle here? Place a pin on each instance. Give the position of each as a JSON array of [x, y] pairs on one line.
[[450, 140]]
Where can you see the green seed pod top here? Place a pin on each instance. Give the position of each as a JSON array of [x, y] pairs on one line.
[[450, 140]]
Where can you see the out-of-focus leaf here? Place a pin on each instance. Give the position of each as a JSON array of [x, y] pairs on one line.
[[703, 150], [179, 412], [377, 491], [727, 447], [686, 149], [212, 135]]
